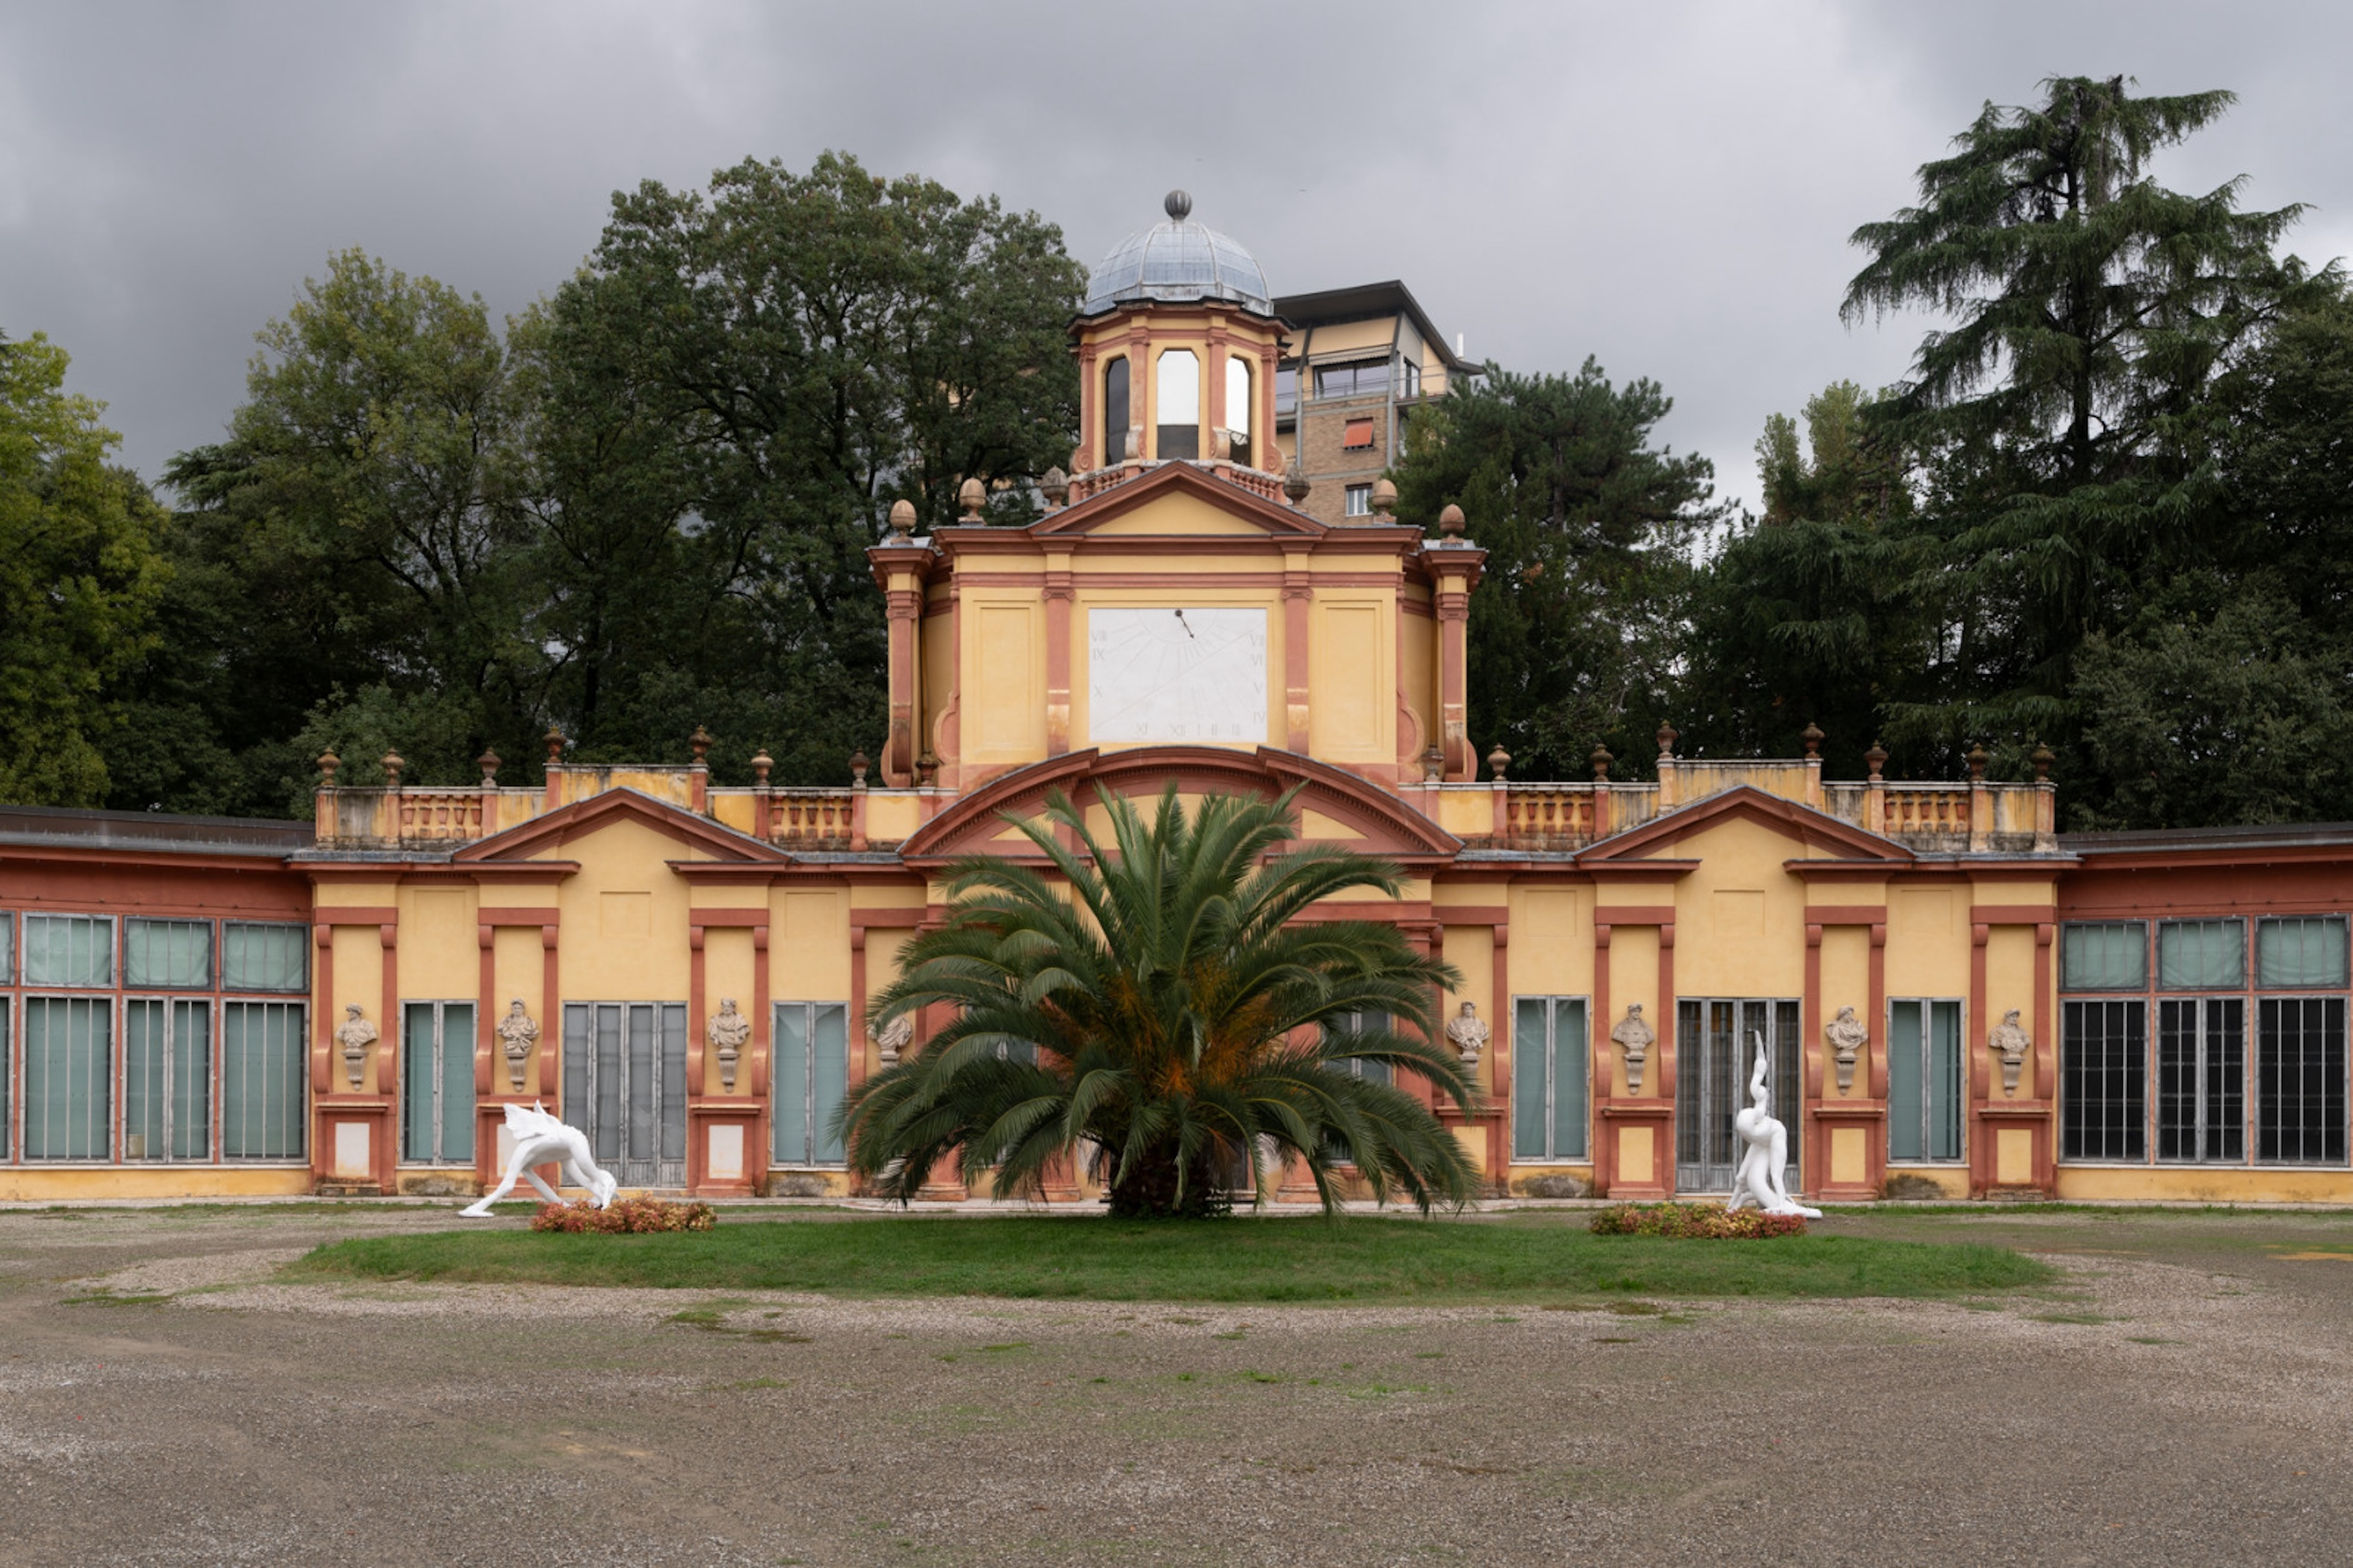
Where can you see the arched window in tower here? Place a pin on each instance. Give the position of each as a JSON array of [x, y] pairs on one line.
[[1115, 406], [1178, 410], [1238, 408]]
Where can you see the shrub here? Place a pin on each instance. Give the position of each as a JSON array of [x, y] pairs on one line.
[[1699, 1222], [628, 1216]]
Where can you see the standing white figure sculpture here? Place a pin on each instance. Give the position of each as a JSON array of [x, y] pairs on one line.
[[540, 1139], [1760, 1181]]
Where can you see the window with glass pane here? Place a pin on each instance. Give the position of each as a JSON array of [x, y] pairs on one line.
[[811, 1074], [261, 1080], [8, 1077], [2104, 1080], [1358, 500], [2201, 1078], [1286, 389], [436, 1083], [69, 1074], [168, 955], [1365, 378], [68, 950], [2109, 956], [2201, 955], [1238, 408], [1924, 1080], [1115, 388], [1176, 405], [8, 947], [167, 1069], [2300, 1080], [2305, 952], [264, 957], [1353, 1024], [1551, 1080]]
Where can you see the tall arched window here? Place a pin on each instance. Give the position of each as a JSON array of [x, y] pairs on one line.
[[1238, 408], [1177, 405], [1115, 406]]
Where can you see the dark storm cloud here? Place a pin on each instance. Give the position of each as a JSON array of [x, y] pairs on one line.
[[1668, 188]]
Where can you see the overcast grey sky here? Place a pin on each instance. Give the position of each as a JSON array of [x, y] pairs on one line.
[[1668, 186]]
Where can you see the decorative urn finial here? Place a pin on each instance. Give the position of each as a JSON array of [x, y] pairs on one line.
[[1666, 738], [392, 766], [489, 763], [555, 739], [1056, 485], [700, 743], [1601, 759], [858, 766], [1875, 759], [328, 763], [1450, 520], [971, 495], [1498, 760], [1383, 500], [902, 519], [761, 763], [1978, 760], [1812, 736], [2041, 759]]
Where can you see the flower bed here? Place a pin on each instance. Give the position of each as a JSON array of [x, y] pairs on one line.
[[627, 1217], [1701, 1222]]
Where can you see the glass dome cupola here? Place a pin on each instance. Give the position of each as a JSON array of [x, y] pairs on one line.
[[1178, 262]]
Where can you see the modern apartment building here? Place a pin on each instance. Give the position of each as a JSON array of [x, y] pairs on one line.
[[1358, 364]]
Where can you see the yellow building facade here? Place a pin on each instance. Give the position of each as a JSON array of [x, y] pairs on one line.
[[1952, 997]]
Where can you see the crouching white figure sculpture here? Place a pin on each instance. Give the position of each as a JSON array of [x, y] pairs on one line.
[[1759, 1183], [540, 1139]]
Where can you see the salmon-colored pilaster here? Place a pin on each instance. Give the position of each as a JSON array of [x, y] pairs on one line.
[[1499, 1069], [1296, 596], [905, 608], [551, 1025], [387, 1069], [1875, 1055], [1452, 600], [1978, 1055], [1059, 595], [696, 1018], [486, 1017], [323, 1010], [1813, 1161], [1605, 1136], [1663, 1147]]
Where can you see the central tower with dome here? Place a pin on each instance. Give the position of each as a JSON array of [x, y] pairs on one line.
[[1177, 345]]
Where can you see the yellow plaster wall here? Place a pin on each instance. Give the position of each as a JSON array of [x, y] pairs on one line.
[[1417, 640], [1740, 928], [736, 809], [359, 977], [517, 969], [1341, 338], [891, 815], [625, 918], [1634, 977], [1352, 679], [1846, 982], [35, 1184], [808, 945], [2010, 982], [1465, 812], [883, 950], [1472, 950], [1928, 942], [440, 952], [936, 673], [727, 972], [2203, 1185], [1003, 719]]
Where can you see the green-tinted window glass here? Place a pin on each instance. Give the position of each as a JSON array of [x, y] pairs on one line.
[[2201, 955], [69, 1052], [1531, 1067], [166, 1079], [168, 955], [1906, 1123], [68, 950], [830, 1075], [261, 1080], [790, 1069], [2110, 956], [1944, 1076], [2305, 953], [8, 947], [1569, 1081], [7, 1076], [263, 957]]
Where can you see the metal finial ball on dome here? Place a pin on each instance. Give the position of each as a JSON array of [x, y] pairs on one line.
[[1178, 206]]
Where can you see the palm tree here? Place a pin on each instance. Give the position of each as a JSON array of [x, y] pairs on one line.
[[1169, 1018]]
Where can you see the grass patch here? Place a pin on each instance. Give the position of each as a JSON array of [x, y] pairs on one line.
[[1308, 1259]]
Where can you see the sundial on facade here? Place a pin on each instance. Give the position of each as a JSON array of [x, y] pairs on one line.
[[1192, 674]]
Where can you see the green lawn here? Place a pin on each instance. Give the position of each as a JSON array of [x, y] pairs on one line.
[[1357, 1258]]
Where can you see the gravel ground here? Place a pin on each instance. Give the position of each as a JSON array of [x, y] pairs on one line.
[[2181, 1398]]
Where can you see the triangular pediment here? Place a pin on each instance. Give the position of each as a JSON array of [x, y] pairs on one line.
[[1810, 829], [1125, 508], [582, 818], [1338, 807]]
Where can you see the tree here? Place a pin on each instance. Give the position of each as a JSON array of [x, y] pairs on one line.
[[739, 385], [1808, 614], [2062, 423], [1587, 528], [81, 575], [1173, 1014], [356, 540]]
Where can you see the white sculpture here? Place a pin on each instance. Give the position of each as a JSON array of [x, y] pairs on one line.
[[1469, 1033], [1760, 1181], [1634, 1036], [355, 1034], [893, 1037], [540, 1139], [2010, 1042], [727, 1033], [519, 1033], [1847, 1036]]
